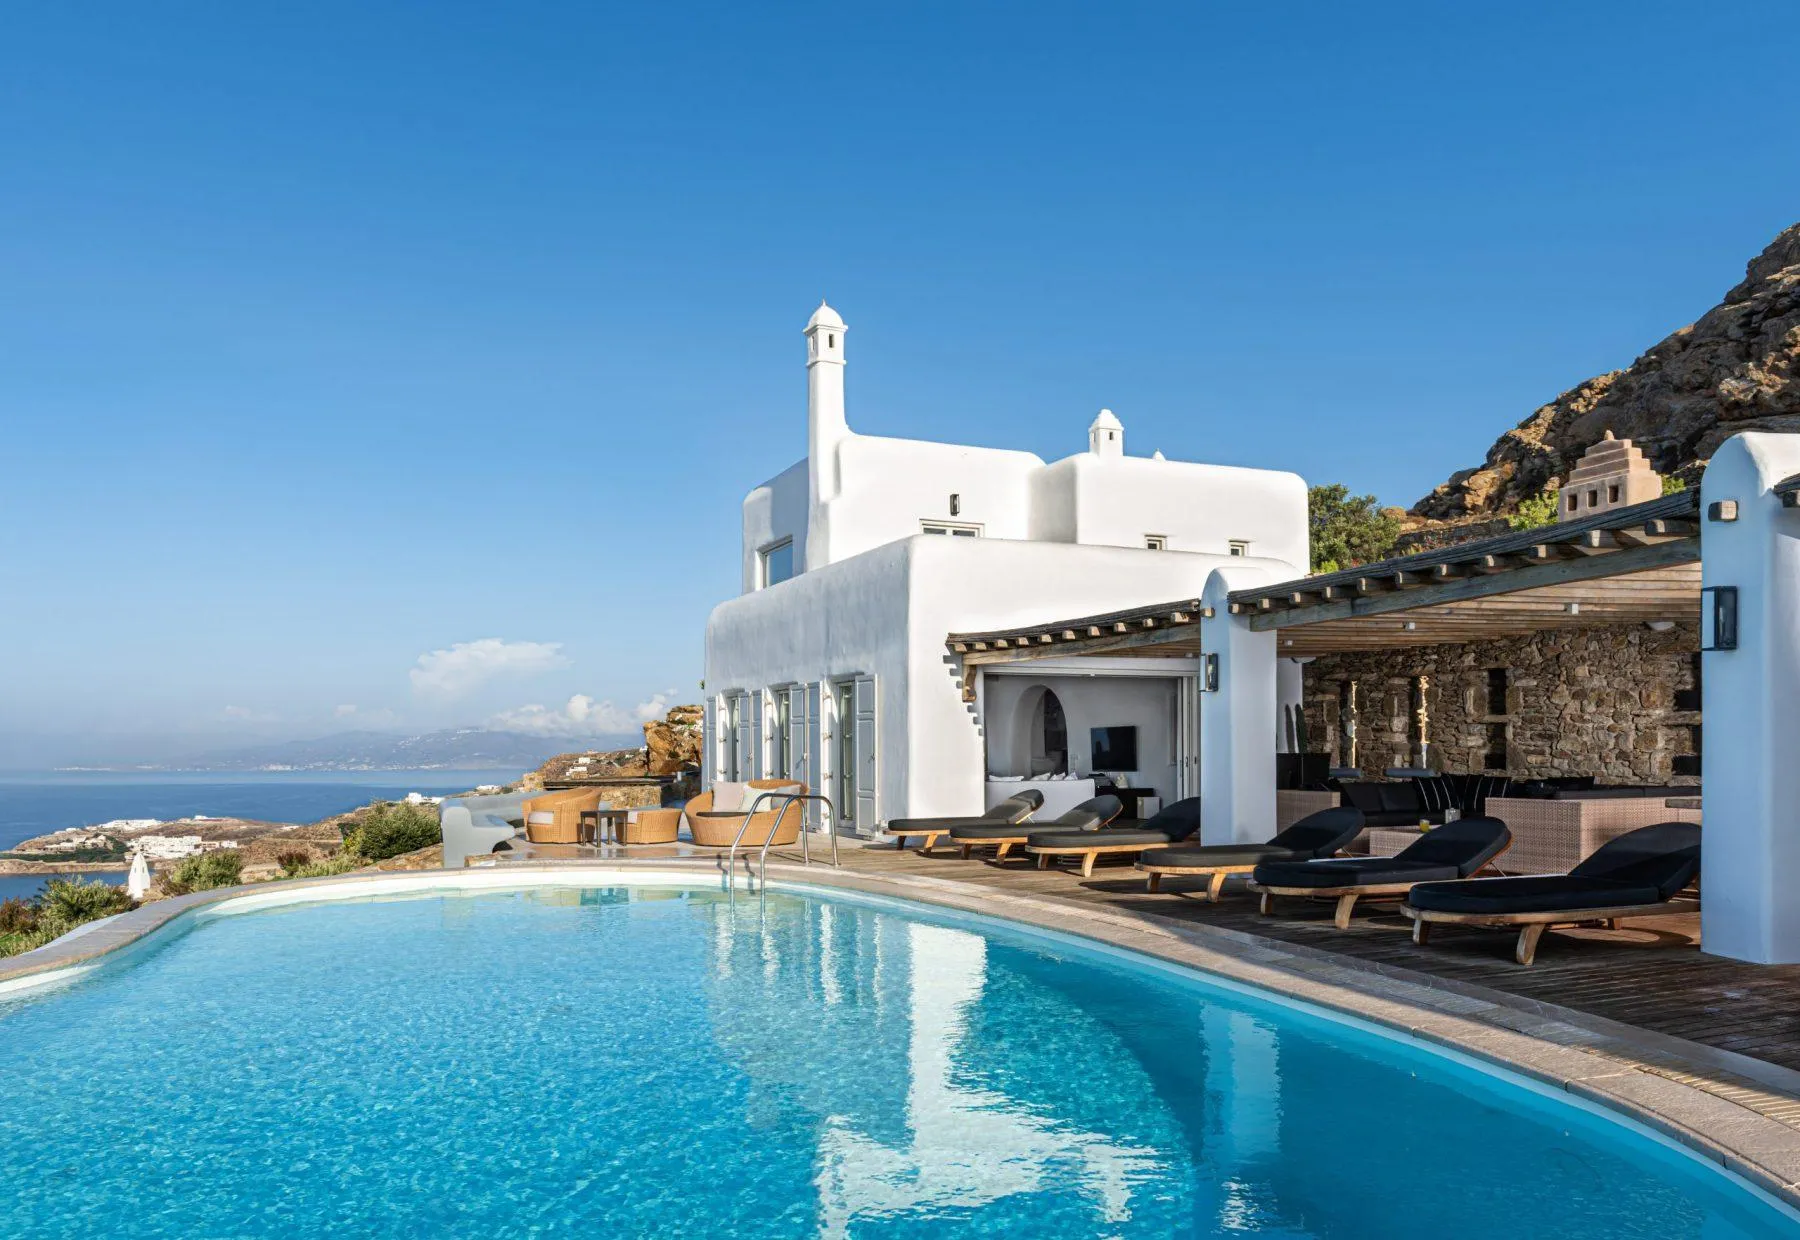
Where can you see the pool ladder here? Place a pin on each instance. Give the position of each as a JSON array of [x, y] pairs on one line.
[[786, 799]]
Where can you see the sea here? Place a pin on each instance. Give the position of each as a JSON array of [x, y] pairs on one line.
[[35, 802]]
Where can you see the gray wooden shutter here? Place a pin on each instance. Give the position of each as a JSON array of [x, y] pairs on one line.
[[867, 819], [745, 737], [815, 749], [712, 766], [756, 764]]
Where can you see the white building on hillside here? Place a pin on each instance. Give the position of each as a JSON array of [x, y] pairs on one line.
[[859, 559]]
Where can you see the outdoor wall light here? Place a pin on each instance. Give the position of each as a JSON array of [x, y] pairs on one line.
[[1209, 674], [1659, 626], [1574, 609], [1408, 626], [1719, 622], [1206, 613]]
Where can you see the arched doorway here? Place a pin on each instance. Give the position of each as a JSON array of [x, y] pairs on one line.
[[1050, 736]]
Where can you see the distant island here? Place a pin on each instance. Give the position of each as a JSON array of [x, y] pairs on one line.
[[457, 749]]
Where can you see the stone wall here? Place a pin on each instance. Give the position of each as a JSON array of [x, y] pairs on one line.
[[1620, 703]]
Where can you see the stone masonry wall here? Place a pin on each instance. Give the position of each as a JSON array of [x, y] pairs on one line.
[[1620, 703]]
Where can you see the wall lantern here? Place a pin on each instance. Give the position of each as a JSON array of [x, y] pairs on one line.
[[1719, 622], [1209, 674]]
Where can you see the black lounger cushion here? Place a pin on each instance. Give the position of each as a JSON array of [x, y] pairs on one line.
[[1013, 809], [1179, 820], [1533, 893], [991, 831], [1349, 872], [1321, 834], [1098, 839], [1221, 854], [1665, 856], [1647, 866], [1316, 835], [1453, 851]]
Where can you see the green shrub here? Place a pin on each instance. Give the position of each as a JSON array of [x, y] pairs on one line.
[[203, 871], [72, 902], [390, 828], [1674, 486], [342, 863], [1537, 511], [17, 916], [59, 908], [1347, 529]]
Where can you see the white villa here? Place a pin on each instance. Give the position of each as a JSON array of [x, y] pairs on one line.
[[831, 665]]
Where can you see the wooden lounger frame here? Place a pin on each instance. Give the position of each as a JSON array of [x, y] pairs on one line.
[[1004, 845], [1087, 852], [1215, 875], [1346, 897], [932, 834], [1531, 926]]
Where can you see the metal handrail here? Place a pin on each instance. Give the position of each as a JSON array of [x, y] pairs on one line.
[[786, 799], [805, 843]]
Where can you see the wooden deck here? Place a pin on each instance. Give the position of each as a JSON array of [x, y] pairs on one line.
[[1650, 973]]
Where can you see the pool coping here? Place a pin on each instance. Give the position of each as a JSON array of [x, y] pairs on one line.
[[1745, 1116]]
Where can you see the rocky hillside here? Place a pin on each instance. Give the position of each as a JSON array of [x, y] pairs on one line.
[[1737, 368]]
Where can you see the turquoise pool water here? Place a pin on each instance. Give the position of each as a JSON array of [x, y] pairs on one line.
[[667, 1062]]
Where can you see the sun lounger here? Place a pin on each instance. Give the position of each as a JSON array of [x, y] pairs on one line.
[[1454, 851], [1172, 824], [1631, 875], [1016, 808], [1088, 816], [1316, 835]]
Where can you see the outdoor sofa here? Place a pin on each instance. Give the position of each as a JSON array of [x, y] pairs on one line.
[[716, 816], [1088, 816], [1317, 835], [1454, 851], [1013, 810], [1175, 822], [1632, 875]]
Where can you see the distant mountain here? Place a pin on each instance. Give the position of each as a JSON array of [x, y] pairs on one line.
[[459, 749]]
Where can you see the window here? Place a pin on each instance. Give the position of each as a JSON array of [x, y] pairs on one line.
[[1496, 691], [955, 505], [734, 716], [782, 757], [1574, 500], [1156, 542], [775, 563], [1240, 547], [1594, 499], [844, 694], [954, 529], [1612, 493]]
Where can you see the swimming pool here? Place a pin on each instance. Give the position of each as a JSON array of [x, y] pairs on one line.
[[661, 1060]]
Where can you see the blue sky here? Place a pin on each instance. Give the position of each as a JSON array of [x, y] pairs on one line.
[[340, 335]]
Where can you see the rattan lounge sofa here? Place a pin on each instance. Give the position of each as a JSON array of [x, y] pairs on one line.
[[1317, 835], [1449, 852], [716, 828], [1013, 810], [1090, 815], [1632, 875], [1172, 824]]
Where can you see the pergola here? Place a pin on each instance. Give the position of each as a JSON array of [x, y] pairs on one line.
[[1629, 565]]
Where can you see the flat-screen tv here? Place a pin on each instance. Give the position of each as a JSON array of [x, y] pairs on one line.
[[1115, 749]]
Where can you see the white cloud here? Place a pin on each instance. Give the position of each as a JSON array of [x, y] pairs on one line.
[[243, 714], [467, 665], [344, 712], [582, 716]]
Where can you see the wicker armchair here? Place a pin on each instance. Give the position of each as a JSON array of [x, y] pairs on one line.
[[563, 810], [717, 829]]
